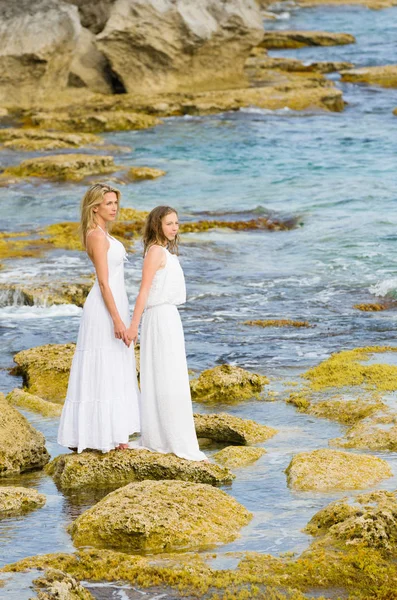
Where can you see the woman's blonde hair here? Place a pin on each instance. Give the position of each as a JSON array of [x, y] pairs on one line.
[[153, 230], [94, 197]]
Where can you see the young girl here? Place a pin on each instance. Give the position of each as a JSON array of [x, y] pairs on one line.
[[101, 408], [166, 409]]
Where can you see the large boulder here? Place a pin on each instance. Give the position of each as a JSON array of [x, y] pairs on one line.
[[384, 76], [19, 500], [37, 41], [324, 470], [277, 40], [160, 516], [94, 469], [227, 383], [22, 447], [221, 427], [175, 45]]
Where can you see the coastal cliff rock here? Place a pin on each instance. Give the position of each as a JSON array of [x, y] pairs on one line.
[[19, 500], [227, 383], [324, 470], [94, 469], [22, 447], [160, 516], [279, 40], [37, 42], [171, 46], [221, 427], [89, 67], [385, 76]]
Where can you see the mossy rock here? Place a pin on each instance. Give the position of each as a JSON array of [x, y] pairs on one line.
[[49, 294], [238, 456], [39, 139], [228, 384], [370, 307], [45, 370], [277, 323], [94, 469], [324, 470], [28, 401], [22, 447], [369, 519], [377, 432], [337, 408], [346, 369], [57, 585], [63, 167], [384, 76], [221, 427], [141, 173], [10, 247], [258, 224], [94, 122], [19, 500], [160, 516], [277, 40]]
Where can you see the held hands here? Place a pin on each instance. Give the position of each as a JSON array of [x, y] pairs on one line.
[[132, 334], [120, 332]]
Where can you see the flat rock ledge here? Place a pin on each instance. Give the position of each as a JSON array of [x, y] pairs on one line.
[[278, 40], [34, 403], [221, 427], [376, 432], [238, 456], [324, 470], [63, 167], [227, 384], [19, 500], [160, 516], [22, 447], [94, 469], [384, 76]]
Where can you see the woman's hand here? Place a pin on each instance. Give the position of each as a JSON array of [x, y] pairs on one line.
[[132, 334], [120, 331]]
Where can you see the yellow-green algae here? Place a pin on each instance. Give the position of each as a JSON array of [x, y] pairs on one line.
[[57, 585], [45, 370], [34, 403], [370, 307], [48, 293], [95, 469], [63, 167], [277, 323], [345, 368], [356, 573], [19, 500], [140, 173], [22, 447], [238, 456], [227, 383], [221, 427], [325, 469], [160, 516], [378, 432], [20, 248]]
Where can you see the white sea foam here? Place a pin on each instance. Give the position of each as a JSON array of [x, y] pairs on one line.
[[39, 312], [383, 288]]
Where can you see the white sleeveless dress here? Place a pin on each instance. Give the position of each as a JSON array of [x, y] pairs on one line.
[[101, 408], [167, 423]]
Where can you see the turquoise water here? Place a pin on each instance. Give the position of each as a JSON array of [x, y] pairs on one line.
[[336, 172]]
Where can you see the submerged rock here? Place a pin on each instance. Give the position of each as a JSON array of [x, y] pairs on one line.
[[324, 470], [34, 403], [160, 516], [57, 585], [337, 408], [372, 4], [369, 519], [94, 469], [377, 432], [45, 370], [221, 427], [277, 323], [385, 76], [64, 167], [227, 383], [238, 456], [278, 40], [370, 307], [39, 139], [139, 173], [22, 447], [94, 122], [19, 500]]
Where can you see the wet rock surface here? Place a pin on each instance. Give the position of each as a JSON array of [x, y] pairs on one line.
[[19, 500], [227, 383], [221, 427], [238, 456]]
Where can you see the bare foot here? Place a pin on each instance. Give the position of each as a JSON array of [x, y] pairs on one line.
[[122, 447]]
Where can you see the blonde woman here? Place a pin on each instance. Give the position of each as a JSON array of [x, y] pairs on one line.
[[166, 405], [101, 406]]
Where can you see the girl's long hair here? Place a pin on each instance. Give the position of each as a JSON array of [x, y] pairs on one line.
[[153, 230], [94, 197]]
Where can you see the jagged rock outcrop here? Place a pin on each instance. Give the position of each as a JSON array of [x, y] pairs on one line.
[[89, 67]]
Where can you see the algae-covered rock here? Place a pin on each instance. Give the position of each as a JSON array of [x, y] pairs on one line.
[[39, 139], [160, 516], [64, 167], [140, 173], [385, 76], [34, 403], [277, 323], [370, 307], [19, 500], [57, 585], [346, 368], [324, 470], [277, 40], [94, 122], [227, 383], [22, 447], [377, 432], [94, 469], [45, 370], [369, 519], [221, 427], [371, 4], [47, 293], [238, 456]]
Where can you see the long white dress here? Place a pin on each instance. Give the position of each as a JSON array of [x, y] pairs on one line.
[[101, 408], [167, 423]]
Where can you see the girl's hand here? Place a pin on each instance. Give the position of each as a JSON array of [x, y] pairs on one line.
[[120, 331], [132, 334]]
